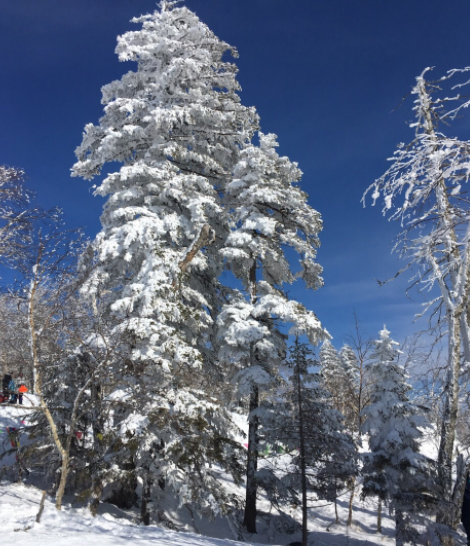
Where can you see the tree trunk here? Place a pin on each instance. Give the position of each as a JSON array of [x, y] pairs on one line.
[[351, 499], [445, 513], [96, 490], [455, 507], [379, 517], [37, 387], [399, 528], [63, 480], [303, 473], [98, 446], [146, 499], [249, 520], [32, 339]]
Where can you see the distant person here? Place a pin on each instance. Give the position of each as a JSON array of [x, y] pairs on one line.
[[13, 390], [21, 387], [5, 384], [21, 391], [465, 519]]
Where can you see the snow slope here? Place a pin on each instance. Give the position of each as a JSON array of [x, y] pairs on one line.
[[19, 505], [74, 526]]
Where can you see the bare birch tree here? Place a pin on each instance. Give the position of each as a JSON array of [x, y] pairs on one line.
[[424, 190], [56, 329]]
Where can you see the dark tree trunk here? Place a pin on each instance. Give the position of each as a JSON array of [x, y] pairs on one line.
[[379, 517], [249, 520], [303, 473], [96, 490], [98, 446], [145, 500], [399, 528]]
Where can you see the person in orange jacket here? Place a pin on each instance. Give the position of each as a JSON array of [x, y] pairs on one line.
[[21, 390]]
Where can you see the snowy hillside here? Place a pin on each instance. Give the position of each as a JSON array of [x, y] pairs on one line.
[[74, 526], [19, 505]]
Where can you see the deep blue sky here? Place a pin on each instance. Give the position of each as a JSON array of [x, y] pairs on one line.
[[325, 76]]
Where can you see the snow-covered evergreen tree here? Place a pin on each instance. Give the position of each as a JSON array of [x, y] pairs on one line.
[[307, 425], [335, 375], [177, 126], [268, 213], [350, 388], [394, 470]]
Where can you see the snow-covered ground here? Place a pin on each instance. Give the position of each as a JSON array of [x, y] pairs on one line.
[[74, 526], [19, 505]]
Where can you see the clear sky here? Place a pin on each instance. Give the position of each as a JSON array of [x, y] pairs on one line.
[[325, 76]]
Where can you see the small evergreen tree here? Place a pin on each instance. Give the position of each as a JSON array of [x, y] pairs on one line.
[[333, 371], [327, 456], [394, 470], [350, 385]]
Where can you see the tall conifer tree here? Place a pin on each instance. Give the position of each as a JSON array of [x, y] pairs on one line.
[[193, 196], [177, 126]]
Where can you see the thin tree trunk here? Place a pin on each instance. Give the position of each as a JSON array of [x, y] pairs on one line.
[[37, 386], [146, 498], [303, 473], [63, 480], [351, 499], [459, 490], [445, 514], [32, 338], [97, 427], [399, 530], [96, 490], [249, 520], [379, 517], [64, 451]]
